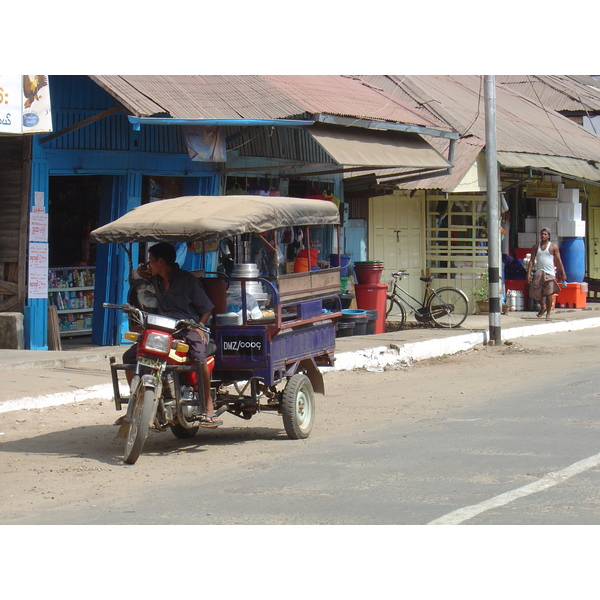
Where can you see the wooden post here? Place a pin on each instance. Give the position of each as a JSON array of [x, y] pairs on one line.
[[54, 342]]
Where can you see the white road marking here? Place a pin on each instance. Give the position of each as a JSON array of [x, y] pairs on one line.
[[468, 512]]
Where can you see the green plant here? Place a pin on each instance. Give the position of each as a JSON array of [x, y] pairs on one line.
[[482, 293]]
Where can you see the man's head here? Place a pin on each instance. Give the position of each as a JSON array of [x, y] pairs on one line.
[[162, 255], [545, 234]]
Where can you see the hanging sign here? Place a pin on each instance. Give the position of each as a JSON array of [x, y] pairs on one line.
[[206, 246], [541, 189], [25, 104], [38, 226], [38, 270]]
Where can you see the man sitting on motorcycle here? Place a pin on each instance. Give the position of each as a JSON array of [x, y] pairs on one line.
[[179, 295]]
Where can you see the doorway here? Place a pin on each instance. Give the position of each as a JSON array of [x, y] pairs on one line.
[[74, 205], [396, 237]]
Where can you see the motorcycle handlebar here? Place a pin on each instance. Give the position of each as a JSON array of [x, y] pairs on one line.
[[109, 305], [127, 308], [123, 307], [191, 324]]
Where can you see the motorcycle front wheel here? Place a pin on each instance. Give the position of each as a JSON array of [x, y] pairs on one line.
[[143, 413]]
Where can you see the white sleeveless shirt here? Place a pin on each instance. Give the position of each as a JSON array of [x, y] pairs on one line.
[[544, 261]]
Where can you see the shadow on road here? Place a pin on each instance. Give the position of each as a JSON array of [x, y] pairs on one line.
[[99, 442]]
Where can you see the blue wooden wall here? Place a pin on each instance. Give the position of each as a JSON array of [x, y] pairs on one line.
[[111, 148]]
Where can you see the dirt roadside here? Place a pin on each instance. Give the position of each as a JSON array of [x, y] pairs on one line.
[[69, 455]]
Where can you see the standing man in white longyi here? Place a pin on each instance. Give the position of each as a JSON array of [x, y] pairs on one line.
[[546, 258]]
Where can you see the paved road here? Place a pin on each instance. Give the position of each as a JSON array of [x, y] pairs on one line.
[[497, 433], [504, 435]]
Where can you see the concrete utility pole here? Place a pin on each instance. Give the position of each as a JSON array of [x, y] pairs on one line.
[[493, 210]]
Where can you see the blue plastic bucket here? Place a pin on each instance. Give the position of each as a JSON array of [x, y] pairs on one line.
[[572, 252], [345, 259], [353, 312]]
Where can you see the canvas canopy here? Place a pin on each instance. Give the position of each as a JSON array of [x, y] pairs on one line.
[[195, 218]]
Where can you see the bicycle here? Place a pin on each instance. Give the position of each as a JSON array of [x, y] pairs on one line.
[[446, 307]]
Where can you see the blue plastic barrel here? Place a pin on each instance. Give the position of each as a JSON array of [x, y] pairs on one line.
[[572, 252], [345, 259]]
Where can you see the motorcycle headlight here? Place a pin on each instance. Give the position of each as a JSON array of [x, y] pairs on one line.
[[158, 342]]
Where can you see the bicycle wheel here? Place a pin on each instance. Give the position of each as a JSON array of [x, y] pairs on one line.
[[448, 307], [395, 313]]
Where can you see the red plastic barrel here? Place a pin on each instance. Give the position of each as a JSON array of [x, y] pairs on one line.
[[373, 297]]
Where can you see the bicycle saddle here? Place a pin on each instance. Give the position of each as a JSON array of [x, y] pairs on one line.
[[427, 279]]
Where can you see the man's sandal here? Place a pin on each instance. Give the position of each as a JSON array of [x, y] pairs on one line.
[[210, 421]]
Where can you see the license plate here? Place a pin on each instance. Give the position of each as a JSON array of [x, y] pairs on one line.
[[242, 345], [148, 362]]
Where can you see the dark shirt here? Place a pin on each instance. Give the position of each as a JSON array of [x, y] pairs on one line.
[[185, 298]]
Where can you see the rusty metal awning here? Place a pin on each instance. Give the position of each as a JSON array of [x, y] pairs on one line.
[[359, 147], [576, 167]]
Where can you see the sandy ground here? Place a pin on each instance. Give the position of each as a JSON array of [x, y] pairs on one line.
[[62, 457], [69, 454]]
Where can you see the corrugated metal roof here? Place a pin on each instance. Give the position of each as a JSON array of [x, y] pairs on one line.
[[561, 164], [522, 125], [363, 147], [563, 93], [200, 96], [261, 97], [466, 151], [276, 142], [349, 96]]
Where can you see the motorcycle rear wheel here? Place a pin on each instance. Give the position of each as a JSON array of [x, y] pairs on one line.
[[143, 413], [183, 433], [298, 407]]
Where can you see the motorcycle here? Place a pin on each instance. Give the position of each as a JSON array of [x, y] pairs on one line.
[[165, 391], [264, 359]]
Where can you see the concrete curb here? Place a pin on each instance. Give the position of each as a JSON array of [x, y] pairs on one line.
[[103, 391], [375, 359], [68, 359], [382, 356]]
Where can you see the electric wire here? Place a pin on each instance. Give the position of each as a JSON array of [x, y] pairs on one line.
[[464, 134], [548, 115], [260, 132], [586, 110], [390, 95]]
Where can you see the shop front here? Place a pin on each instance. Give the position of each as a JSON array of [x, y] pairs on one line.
[[100, 161], [83, 176]]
